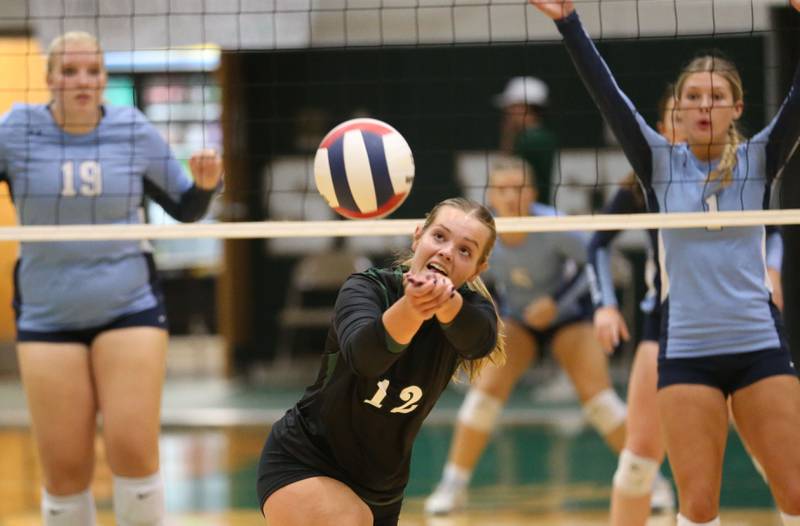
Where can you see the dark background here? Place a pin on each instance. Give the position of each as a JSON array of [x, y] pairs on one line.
[[788, 46], [439, 98]]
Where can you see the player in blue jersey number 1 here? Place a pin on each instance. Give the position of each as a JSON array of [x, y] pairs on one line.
[[721, 332]]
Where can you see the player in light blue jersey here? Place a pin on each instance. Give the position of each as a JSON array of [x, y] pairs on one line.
[[541, 308], [638, 487], [721, 333], [91, 325], [644, 449]]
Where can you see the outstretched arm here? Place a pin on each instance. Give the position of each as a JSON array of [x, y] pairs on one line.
[[629, 127], [167, 183], [609, 324], [782, 135], [371, 339], [555, 9], [425, 295]]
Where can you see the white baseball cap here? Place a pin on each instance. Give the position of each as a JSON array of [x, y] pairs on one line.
[[522, 90]]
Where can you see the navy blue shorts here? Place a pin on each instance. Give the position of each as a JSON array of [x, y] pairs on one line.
[[651, 327], [278, 468], [726, 372], [543, 338], [152, 317]]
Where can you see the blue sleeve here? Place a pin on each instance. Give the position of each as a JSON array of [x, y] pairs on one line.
[[570, 293], [168, 184], [598, 267], [774, 248], [628, 126], [573, 247], [4, 131], [784, 130]]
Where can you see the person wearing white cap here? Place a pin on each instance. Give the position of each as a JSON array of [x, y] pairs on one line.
[[522, 131]]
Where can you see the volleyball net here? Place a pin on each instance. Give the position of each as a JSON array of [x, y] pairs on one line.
[[263, 82]]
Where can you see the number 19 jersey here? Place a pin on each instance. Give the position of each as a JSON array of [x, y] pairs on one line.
[[100, 177]]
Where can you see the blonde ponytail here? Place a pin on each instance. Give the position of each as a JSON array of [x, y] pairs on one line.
[[727, 163], [472, 368], [726, 69]]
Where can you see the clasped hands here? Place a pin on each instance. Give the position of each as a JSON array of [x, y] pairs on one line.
[[427, 292]]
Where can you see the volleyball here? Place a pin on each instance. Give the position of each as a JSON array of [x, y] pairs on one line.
[[364, 169]]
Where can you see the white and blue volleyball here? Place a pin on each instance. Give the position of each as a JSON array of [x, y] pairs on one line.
[[364, 169]]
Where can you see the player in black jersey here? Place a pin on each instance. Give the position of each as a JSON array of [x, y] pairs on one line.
[[341, 455]]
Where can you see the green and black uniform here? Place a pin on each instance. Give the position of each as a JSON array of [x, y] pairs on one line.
[[358, 421]]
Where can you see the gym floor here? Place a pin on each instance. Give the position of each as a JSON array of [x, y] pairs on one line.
[[543, 467]]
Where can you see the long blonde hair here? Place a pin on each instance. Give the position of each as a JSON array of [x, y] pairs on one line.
[[56, 47], [727, 70], [472, 208]]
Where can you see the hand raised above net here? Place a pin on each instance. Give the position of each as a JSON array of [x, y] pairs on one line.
[[558, 9]]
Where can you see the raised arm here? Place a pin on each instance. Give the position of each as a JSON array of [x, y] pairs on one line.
[[784, 132], [627, 124], [364, 340], [167, 182]]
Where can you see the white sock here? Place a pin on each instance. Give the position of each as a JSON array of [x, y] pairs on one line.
[[456, 476], [68, 510], [683, 521], [790, 520], [139, 501]]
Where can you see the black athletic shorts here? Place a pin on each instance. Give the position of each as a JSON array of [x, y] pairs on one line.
[[544, 337], [651, 327], [726, 372], [278, 468], [152, 317]]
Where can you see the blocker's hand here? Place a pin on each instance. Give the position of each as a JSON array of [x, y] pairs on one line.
[[558, 9], [206, 168]]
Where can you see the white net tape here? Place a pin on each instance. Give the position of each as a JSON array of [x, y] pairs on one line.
[[384, 227]]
